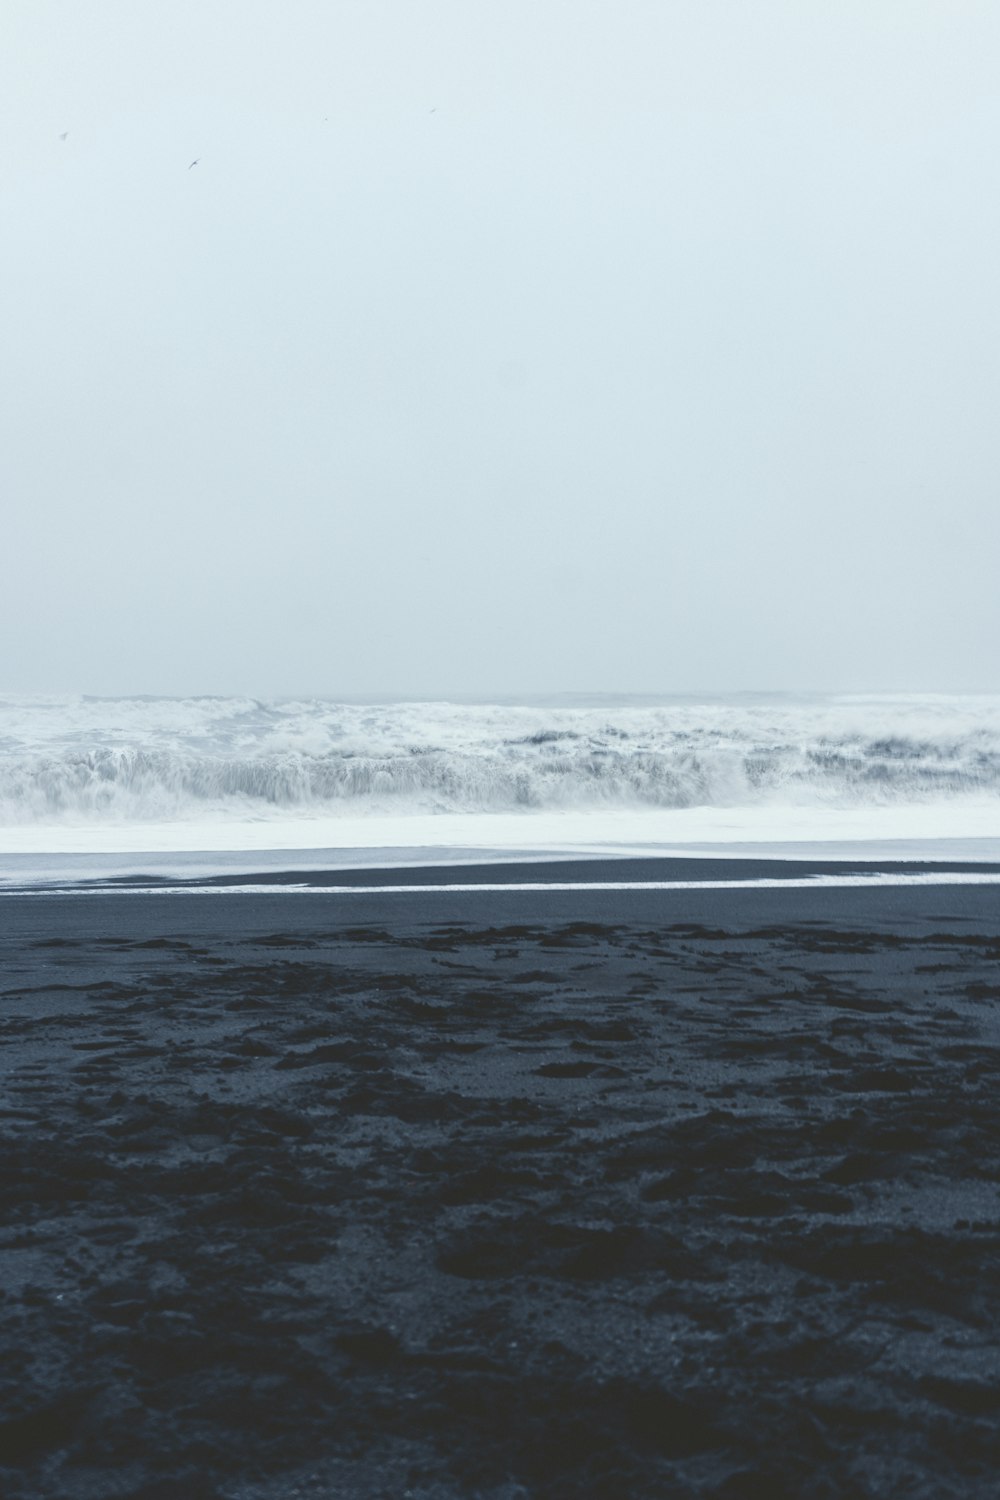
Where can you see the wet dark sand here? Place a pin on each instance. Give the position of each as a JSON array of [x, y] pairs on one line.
[[648, 869], [563, 1194]]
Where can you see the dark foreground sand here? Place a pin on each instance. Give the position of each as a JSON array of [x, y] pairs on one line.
[[558, 1195]]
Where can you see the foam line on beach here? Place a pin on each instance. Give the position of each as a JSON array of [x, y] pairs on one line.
[[880, 879]]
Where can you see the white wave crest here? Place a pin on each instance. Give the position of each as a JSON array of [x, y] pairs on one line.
[[125, 760]]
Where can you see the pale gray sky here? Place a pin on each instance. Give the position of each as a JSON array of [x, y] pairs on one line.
[[523, 345]]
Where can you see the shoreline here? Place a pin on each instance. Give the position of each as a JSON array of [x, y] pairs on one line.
[[608, 873], [139, 913]]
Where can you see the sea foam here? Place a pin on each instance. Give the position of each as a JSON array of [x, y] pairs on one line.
[[135, 760]]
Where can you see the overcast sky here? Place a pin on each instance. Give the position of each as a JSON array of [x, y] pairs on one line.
[[529, 345]]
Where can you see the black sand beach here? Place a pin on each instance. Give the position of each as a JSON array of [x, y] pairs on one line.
[[504, 1195]]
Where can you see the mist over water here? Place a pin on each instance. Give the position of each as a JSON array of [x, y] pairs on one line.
[[130, 760]]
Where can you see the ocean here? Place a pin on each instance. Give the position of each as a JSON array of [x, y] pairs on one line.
[[93, 786]]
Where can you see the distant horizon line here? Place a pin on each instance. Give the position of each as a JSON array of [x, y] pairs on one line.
[[580, 697]]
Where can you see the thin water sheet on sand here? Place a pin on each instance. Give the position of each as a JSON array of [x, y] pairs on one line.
[[616, 1196]]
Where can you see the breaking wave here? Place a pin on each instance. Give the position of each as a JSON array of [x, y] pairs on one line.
[[153, 759]]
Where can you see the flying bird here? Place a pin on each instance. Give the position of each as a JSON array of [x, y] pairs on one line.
[[64, 135], [194, 163]]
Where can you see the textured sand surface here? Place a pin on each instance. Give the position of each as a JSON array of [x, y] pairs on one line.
[[548, 1197]]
